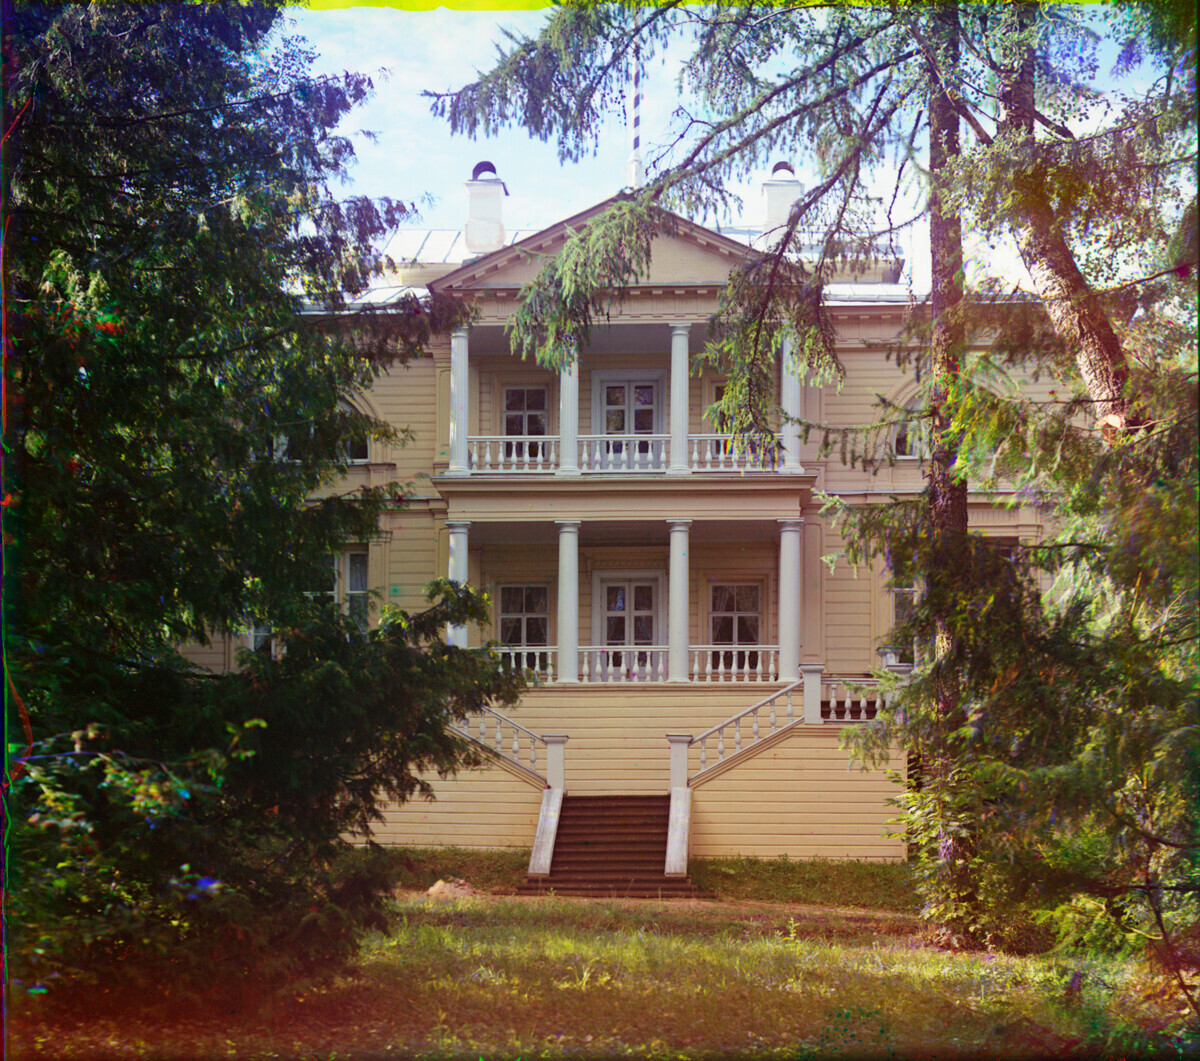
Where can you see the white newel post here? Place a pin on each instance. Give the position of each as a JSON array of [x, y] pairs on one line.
[[555, 748], [789, 401], [789, 599], [459, 404], [812, 692], [456, 634], [568, 418], [568, 600], [677, 602], [679, 752], [679, 399]]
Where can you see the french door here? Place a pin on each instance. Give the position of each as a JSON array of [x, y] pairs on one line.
[[632, 407], [630, 620]]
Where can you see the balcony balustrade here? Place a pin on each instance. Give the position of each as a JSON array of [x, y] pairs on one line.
[[614, 455]]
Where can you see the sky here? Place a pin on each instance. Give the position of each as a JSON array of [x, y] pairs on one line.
[[415, 158]]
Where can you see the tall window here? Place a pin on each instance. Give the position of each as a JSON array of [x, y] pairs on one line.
[[735, 615], [349, 587], [525, 622], [526, 416], [912, 436]]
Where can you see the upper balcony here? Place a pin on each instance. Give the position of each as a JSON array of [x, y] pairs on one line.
[[629, 406]]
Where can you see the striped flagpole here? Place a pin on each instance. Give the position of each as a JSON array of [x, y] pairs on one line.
[[633, 168]]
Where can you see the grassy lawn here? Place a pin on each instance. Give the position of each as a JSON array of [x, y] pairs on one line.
[[501, 977]]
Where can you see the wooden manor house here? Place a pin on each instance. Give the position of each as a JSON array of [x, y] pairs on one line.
[[696, 660]]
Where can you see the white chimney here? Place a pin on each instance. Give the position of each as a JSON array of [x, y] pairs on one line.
[[780, 191], [484, 230]]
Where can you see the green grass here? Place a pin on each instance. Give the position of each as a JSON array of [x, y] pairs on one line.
[[819, 882], [551, 977]]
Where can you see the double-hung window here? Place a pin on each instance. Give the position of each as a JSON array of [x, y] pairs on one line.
[[526, 417], [524, 621], [735, 615]]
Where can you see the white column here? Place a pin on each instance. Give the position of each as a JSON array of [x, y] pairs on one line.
[[568, 418], [677, 602], [789, 401], [456, 633], [459, 404], [568, 600], [789, 599], [679, 399]]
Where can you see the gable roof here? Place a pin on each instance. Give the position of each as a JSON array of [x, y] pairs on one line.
[[509, 266]]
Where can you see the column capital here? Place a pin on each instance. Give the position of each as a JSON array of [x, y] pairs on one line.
[[568, 524], [791, 523], [457, 524], [683, 524], [677, 327], [460, 333]]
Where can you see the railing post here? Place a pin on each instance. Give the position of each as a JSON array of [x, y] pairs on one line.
[[555, 759], [812, 692], [679, 752]]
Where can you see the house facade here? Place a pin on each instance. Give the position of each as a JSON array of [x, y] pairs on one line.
[[667, 591]]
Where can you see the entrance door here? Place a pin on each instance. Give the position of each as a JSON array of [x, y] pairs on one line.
[[630, 620]]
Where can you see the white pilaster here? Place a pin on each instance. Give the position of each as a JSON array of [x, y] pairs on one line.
[[679, 399], [568, 600], [789, 599], [789, 401], [459, 404], [568, 418], [456, 633], [677, 602]]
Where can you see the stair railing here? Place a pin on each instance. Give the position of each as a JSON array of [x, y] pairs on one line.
[[778, 716], [512, 741]]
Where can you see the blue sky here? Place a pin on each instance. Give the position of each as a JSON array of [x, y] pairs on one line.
[[410, 50]]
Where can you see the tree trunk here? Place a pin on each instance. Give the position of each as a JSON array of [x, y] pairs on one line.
[[1070, 303], [947, 512]]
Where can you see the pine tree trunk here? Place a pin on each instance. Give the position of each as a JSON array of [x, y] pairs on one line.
[[947, 513], [1070, 303]]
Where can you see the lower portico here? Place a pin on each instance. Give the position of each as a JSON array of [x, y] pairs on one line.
[[714, 596]]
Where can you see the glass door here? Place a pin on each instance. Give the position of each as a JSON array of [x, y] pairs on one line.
[[631, 408], [630, 618]]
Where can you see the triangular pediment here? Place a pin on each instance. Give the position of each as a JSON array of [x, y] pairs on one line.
[[688, 255]]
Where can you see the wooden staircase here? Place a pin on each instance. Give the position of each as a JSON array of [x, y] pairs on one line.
[[611, 847]]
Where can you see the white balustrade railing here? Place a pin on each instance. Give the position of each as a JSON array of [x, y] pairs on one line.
[[505, 737], [539, 659], [849, 699], [724, 453], [734, 663], [759, 720], [617, 663], [624, 453], [512, 453]]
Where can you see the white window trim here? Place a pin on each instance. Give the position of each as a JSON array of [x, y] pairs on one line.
[[601, 378], [656, 575]]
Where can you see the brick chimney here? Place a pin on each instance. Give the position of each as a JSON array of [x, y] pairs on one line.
[[484, 230], [780, 191]]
